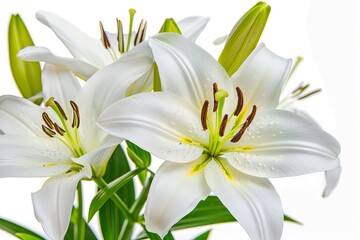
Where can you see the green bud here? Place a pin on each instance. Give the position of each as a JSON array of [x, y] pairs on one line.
[[244, 37], [27, 75], [170, 26]]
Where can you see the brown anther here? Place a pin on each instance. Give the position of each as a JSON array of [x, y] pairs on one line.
[[140, 34], [246, 124], [60, 109], [300, 89], [223, 125], [76, 115], [48, 131], [204, 111], [216, 103], [240, 102], [310, 94], [47, 120], [120, 36], [250, 118], [104, 37], [59, 130]]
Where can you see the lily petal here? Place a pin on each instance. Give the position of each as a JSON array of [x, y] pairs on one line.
[[171, 131], [83, 69], [99, 156], [107, 86], [26, 156], [20, 116], [191, 27], [187, 70], [79, 44], [332, 179], [61, 84], [174, 192], [281, 144], [54, 201], [252, 201], [261, 77]]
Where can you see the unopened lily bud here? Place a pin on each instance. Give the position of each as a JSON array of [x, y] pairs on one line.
[[170, 26], [27, 75], [244, 37]]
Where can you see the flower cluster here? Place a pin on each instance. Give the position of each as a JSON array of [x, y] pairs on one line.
[[220, 126]]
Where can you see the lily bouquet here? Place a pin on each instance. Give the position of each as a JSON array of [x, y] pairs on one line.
[[222, 128]]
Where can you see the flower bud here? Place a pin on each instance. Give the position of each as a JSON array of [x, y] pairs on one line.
[[244, 37], [27, 75]]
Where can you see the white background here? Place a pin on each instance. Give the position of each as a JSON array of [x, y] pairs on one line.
[[324, 32]]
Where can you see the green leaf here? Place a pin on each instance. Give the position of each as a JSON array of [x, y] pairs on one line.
[[27, 75], [244, 37], [210, 211], [25, 236], [170, 26], [154, 236], [140, 157], [203, 236], [15, 229], [290, 219], [110, 216], [70, 233]]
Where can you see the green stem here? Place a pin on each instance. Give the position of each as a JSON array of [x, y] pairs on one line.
[[80, 222], [126, 230], [115, 198]]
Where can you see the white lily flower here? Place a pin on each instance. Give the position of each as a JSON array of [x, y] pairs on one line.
[[219, 135], [92, 54], [62, 141], [288, 102]]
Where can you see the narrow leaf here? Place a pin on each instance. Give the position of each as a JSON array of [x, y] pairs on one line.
[[104, 194], [27, 75], [244, 37], [70, 233], [210, 211], [203, 236], [110, 216], [15, 229], [25, 236]]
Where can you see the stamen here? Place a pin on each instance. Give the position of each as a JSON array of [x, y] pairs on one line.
[[48, 131], [76, 115], [120, 36], [223, 125], [140, 35], [216, 103], [104, 37], [204, 111], [240, 102], [250, 118], [47, 120], [309, 94], [60, 109], [246, 124], [59, 130]]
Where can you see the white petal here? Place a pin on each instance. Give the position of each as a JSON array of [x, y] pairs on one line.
[[25, 156], [261, 77], [158, 122], [107, 86], [221, 39], [79, 44], [187, 70], [61, 84], [100, 155], [332, 178], [174, 192], [280, 144], [20, 116], [252, 201], [54, 201], [191, 27], [81, 68]]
